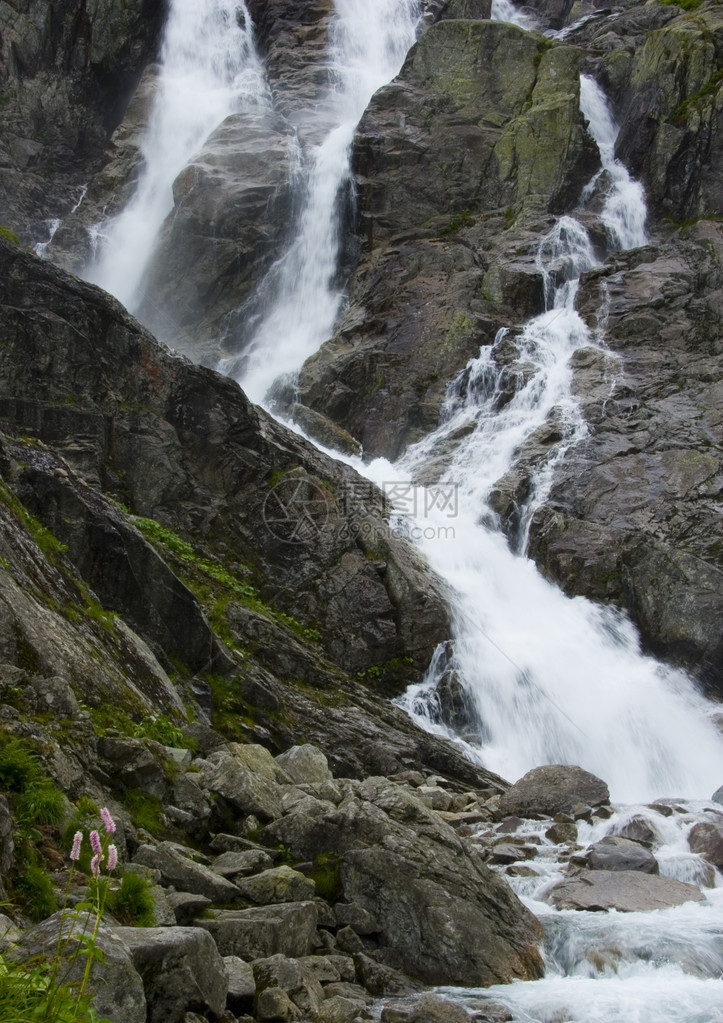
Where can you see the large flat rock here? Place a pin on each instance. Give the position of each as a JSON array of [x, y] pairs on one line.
[[628, 891]]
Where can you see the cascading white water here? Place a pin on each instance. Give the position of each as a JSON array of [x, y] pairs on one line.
[[552, 679], [209, 67], [503, 10], [625, 212], [369, 43]]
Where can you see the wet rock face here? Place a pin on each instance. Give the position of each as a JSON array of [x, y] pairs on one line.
[[463, 114], [184, 444], [672, 128], [632, 515], [67, 72], [232, 208], [450, 199]]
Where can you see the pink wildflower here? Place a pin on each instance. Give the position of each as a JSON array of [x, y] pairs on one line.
[[95, 843], [95, 865], [77, 841], [112, 857], [107, 820]]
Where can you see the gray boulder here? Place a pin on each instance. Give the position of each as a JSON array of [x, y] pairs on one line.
[[614, 853], [262, 931], [717, 796], [640, 829], [185, 874], [379, 979], [628, 891], [554, 788], [118, 991], [231, 864], [280, 884], [274, 1004], [338, 1009], [447, 916], [186, 906], [300, 985], [241, 985], [246, 791], [133, 764], [706, 839], [428, 1008], [350, 914], [305, 764], [181, 969]]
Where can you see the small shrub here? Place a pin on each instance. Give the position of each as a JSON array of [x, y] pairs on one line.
[[163, 730], [35, 890], [146, 811], [41, 804], [326, 875], [132, 904], [19, 766]]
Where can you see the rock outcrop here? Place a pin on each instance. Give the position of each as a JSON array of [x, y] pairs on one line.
[[67, 73]]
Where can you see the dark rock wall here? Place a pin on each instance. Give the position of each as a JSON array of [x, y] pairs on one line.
[[68, 70]]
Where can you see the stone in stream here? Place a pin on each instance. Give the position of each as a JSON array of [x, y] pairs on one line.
[[628, 891], [554, 788], [614, 853], [706, 839], [639, 829]]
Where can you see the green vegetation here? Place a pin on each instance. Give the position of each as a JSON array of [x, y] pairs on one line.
[[326, 875], [462, 219], [132, 903], [146, 811], [48, 544], [28, 994], [35, 889], [686, 5], [709, 89], [19, 766], [41, 804], [37, 800], [9, 236], [160, 729], [215, 587]]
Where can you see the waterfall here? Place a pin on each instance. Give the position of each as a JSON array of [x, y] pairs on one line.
[[624, 212], [368, 45], [209, 67], [550, 679]]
